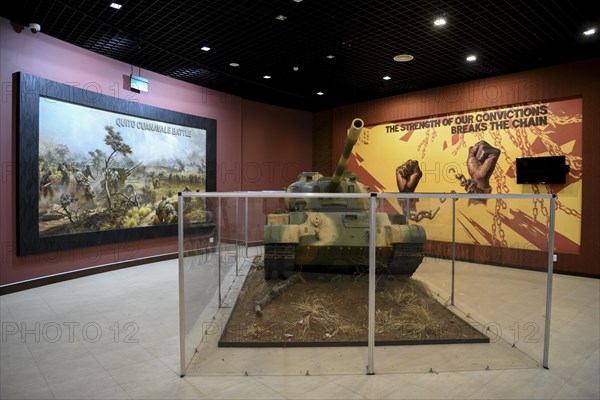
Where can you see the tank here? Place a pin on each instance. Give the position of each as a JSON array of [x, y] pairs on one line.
[[333, 233]]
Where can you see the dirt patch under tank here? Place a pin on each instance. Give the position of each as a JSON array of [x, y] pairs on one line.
[[332, 309]]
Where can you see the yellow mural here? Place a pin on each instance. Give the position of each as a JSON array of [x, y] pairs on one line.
[[475, 152]]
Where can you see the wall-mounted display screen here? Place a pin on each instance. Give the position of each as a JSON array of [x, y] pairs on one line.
[[138, 83], [551, 169]]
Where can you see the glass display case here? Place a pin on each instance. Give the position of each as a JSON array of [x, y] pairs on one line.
[[276, 283]]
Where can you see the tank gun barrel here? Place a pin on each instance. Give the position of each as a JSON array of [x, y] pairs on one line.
[[353, 134], [128, 171]]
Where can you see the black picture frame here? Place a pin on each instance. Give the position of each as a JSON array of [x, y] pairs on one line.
[[28, 89]]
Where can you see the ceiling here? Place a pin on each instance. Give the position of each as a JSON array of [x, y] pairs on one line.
[[362, 36]]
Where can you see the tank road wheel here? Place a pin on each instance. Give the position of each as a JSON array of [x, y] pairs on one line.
[[279, 260], [406, 258]]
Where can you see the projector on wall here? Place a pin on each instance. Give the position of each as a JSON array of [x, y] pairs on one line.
[[138, 83]]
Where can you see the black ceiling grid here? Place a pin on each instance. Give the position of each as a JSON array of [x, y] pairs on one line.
[[166, 36]]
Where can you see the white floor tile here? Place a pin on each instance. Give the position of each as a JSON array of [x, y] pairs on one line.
[[120, 358], [47, 352], [251, 389], [493, 391], [42, 393], [147, 366], [530, 383], [292, 386], [142, 373], [412, 391], [166, 388], [568, 391], [96, 386], [454, 385], [372, 386], [23, 380], [211, 385], [587, 377], [330, 390], [80, 369]]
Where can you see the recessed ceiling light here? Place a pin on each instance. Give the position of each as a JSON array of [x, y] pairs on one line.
[[234, 64], [403, 57], [267, 76], [589, 32], [471, 58], [281, 17], [439, 21], [205, 48], [116, 6], [387, 78], [330, 56], [320, 93], [296, 69]]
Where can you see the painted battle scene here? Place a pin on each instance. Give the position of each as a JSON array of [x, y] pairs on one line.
[[100, 170]]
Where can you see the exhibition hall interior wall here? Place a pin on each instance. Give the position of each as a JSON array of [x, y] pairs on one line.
[[263, 147], [578, 80], [247, 133]]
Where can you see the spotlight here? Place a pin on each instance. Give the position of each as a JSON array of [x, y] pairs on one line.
[[589, 32], [440, 21]]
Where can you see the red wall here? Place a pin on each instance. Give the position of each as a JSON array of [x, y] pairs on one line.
[[248, 133], [274, 142], [268, 140], [579, 79]]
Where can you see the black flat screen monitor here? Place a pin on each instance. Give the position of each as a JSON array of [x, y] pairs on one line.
[[138, 83], [551, 169]]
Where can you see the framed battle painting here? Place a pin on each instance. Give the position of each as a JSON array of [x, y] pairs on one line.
[[95, 169]]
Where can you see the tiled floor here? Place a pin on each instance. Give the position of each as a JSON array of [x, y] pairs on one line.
[[115, 336]]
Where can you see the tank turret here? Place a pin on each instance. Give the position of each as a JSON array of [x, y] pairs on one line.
[[342, 181], [326, 232]]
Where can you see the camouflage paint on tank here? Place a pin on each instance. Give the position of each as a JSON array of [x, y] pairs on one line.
[[335, 231]]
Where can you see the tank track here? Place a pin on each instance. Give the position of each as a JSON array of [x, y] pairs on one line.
[[406, 258], [279, 260]]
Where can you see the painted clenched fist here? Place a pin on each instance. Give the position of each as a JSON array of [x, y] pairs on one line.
[[408, 176], [481, 162]]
